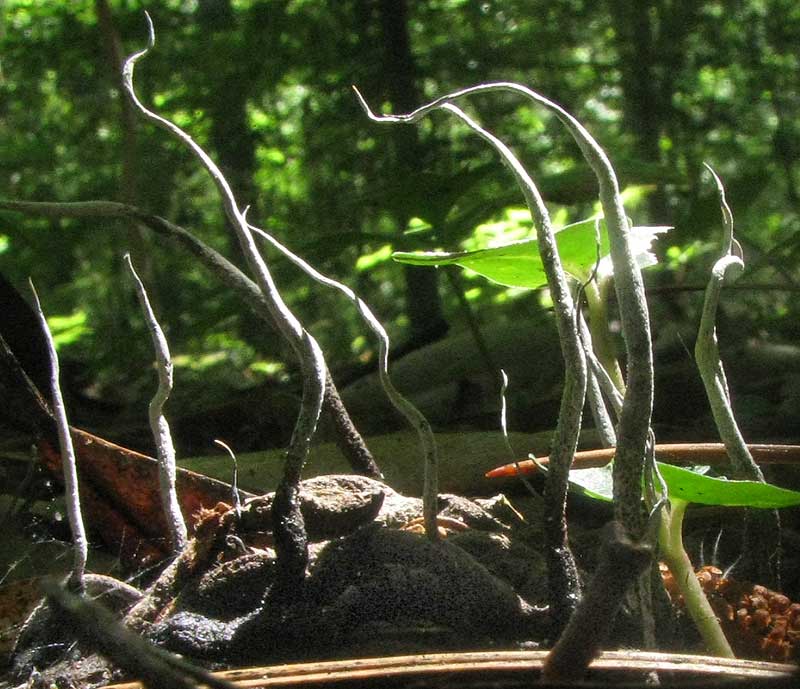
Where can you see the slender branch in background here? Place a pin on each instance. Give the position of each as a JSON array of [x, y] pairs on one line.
[[289, 529], [762, 528], [128, 123], [404, 406], [176, 526], [348, 437], [453, 275], [563, 578], [80, 548], [139, 243]]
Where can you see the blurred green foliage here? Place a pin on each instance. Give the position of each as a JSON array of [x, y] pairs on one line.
[[264, 85]]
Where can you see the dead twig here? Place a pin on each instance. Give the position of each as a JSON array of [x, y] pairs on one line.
[[100, 629]]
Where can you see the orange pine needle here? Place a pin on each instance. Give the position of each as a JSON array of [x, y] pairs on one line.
[[674, 453]]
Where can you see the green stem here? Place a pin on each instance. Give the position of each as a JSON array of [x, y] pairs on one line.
[[596, 300], [674, 554]]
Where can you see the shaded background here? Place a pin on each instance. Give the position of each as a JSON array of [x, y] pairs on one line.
[[265, 86]]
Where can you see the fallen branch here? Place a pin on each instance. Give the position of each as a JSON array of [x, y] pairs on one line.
[[690, 454], [101, 630]]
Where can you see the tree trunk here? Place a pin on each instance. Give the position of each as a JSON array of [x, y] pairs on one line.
[[423, 302], [227, 99]]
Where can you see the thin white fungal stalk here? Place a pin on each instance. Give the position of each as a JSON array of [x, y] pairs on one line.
[[706, 349], [237, 500], [413, 415], [594, 392], [165, 449], [596, 299], [607, 385], [506, 440], [563, 577], [594, 395], [285, 319], [290, 540], [504, 415], [761, 546], [80, 547], [569, 422]]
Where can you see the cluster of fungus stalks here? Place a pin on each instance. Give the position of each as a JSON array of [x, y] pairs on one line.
[[579, 614]]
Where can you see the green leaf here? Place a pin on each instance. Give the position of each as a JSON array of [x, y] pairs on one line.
[[518, 264], [691, 486], [594, 483], [706, 490]]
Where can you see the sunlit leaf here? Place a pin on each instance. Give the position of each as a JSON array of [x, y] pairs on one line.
[[692, 486], [706, 490], [594, 483], [518, 264], [67, 330]]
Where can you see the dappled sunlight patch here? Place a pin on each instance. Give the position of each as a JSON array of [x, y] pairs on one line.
[[69, 329]]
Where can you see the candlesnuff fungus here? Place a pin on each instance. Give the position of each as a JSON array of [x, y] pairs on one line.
[[290, 538]]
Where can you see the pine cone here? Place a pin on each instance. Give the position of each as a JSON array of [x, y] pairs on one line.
[[758, 622]]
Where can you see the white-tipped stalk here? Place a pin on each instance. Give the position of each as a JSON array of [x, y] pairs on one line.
[[413, 415], [235, 497], [80, 547], [176, 526], [563, 574], [504, 430], [290, 537], [762, 534], [706, 350]]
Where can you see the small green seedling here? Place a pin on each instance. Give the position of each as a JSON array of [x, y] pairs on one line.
[[518, 264], [685, 486]]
